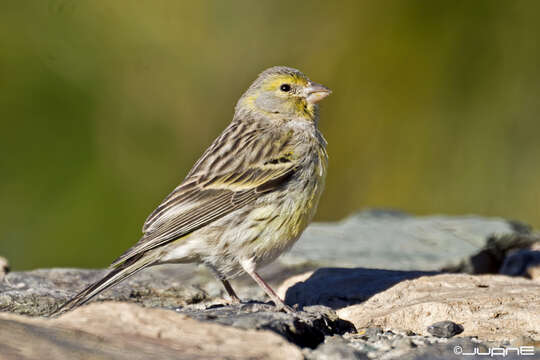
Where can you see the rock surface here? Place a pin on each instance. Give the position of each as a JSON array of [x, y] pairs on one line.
[[392, 304], [490, 307], [445, 329], [128, 331], [397, 241], [398, 345], [307, 328], [523, 262], [39, 292], [498, 255]]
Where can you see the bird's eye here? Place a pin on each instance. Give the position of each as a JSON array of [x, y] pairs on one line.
[[285, 87]]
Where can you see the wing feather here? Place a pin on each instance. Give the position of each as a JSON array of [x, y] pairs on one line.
[[257, 166]]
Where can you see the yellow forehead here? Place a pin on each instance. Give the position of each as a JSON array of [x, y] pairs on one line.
[[276, 81]]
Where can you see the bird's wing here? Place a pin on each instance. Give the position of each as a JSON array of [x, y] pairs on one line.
[[236, 170]]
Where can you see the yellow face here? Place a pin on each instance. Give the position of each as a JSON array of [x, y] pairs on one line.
[[286, 92], [291, 89], [286, 84]]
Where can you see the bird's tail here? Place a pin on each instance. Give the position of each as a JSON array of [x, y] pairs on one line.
[[123, 271]]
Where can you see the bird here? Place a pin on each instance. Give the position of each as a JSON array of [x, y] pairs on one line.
[[247, 199]]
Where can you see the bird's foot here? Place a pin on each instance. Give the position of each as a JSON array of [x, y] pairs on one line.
[[286, 308]]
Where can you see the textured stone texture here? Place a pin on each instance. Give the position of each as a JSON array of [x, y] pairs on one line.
[[392, 303], [39, 292], [498, 256], [523, 262], [128, 331], [335, 348], [397, 241], [307, 328], [396, 345], [491, 307], [445, 329]]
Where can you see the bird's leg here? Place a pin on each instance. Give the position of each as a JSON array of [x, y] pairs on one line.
[[250, 269], [235, 299]]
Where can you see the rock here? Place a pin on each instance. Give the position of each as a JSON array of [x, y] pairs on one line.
[[445, 329], [493, 256], [491, 307], [372, 333], [340, 287], [405, 345], [391, 307], [522, 263], [533, 272], [397, 241], [305, 329], [39, 292], [131, 332], [335, 348], [367, 238], [288, 283], [452, 350]]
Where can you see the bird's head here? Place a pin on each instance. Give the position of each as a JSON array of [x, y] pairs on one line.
[[283, 91]]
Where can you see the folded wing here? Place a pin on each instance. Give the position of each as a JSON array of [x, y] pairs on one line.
[[238, 168]]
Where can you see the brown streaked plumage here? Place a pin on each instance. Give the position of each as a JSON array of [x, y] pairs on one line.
[[250, 195]]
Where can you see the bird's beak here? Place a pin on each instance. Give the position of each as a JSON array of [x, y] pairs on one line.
[[316, 92]]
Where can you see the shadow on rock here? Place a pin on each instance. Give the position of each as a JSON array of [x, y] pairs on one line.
[[341, 287]]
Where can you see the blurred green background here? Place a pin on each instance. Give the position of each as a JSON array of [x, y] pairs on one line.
[[105, 105]]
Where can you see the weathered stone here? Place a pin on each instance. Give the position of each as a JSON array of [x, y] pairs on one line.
[[128, 331], [306, 328], [522, 263], [398, 241], [39, 292], [335, 348], [404, 345], [452, 350], [533, 270], [445, 329], [372, 333], [491, 307], [391, 307], [491, 258]]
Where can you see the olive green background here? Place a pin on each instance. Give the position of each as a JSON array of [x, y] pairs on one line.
[[105, 105]]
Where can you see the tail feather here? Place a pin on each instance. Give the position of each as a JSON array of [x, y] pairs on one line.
[[127, 269]]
